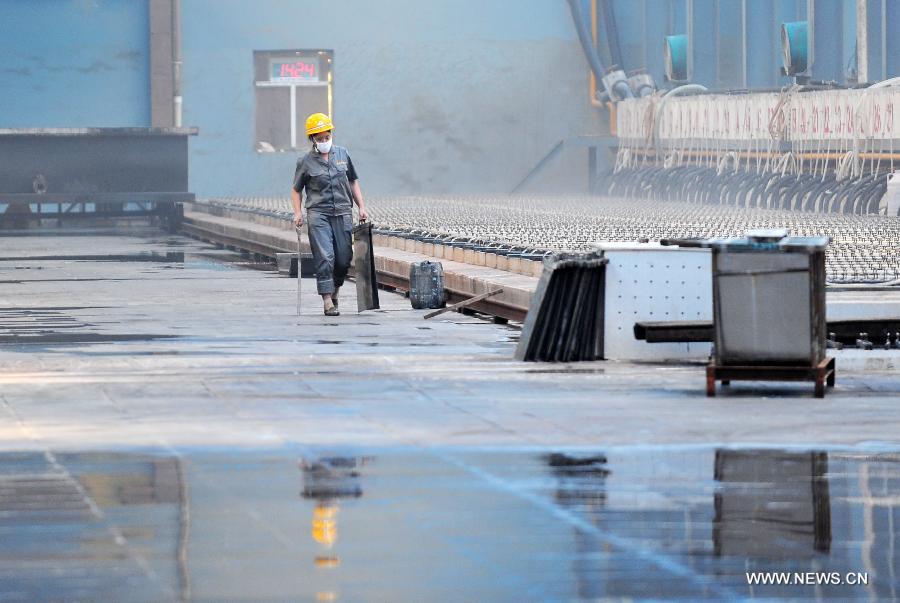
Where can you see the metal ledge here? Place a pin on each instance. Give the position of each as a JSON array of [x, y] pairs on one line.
[[124, 197], [99, 131]]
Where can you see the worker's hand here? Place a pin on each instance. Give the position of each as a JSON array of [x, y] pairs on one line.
[[363, 214], [298, 220]]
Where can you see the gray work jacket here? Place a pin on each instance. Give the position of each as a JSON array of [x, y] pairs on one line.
[[327, 183]]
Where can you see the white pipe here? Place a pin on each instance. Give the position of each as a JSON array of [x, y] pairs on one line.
[[886, 83], [862, 41], [679, 91], [176, 63], [685, 89]]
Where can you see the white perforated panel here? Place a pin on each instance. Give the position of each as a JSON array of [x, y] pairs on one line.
[[648, 282]]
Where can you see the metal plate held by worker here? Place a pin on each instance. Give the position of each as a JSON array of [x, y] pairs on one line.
[[364, 266]]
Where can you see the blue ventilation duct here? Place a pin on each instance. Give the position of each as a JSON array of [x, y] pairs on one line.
[[794, 46], [675, 52]]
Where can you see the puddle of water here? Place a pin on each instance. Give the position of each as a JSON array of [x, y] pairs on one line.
[[495, 345], [413, 525], [150, 256], [376, 343], [72, 280], [174, 242], [52, 326], [269, 266], [568, 371], [45, 338], [207, 265], [48, 309], [150, 353], [168, 260]]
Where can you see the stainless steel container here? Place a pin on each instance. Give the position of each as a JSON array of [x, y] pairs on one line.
[[769, 299]]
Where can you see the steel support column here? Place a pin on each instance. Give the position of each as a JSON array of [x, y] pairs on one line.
[[826, 40], [731, 63], [655, 30], [161, 76], [890, 38], [763, 44], [702, 36], [869, 34]]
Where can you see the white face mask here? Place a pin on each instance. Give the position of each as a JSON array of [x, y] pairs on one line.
[[324, 147]]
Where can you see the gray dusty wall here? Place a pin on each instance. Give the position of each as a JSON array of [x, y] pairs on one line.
[[441, 96]]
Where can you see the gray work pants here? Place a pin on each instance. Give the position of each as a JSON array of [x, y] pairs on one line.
[[330, 238]]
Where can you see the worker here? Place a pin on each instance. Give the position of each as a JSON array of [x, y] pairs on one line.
[[332, 187]]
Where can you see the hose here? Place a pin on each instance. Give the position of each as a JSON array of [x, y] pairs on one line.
[[612, 35], [768, 190], [686, 89], [620, 89], [894, 81]]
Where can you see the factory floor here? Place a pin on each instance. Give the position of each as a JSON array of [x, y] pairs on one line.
[[172, 430]]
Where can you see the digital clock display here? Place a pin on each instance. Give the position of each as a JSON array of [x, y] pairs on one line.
[[294, 69]]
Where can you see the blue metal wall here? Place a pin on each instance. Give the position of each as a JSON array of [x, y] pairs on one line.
[[444, 96], [736, 43], [74, 63]]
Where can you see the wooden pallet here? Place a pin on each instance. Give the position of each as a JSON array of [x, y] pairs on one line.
[[822, 374]]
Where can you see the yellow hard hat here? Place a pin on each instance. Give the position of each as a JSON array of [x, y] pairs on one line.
[[324, 524], [318, 122]]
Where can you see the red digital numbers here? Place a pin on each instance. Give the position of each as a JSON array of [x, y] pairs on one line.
[[297, 70]]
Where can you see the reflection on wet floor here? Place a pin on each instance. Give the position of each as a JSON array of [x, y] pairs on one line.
[[792, 520], [327, 480], [147, 256], [48, 326], [92, 527], [51, 327], [193, 255], [446, 525]]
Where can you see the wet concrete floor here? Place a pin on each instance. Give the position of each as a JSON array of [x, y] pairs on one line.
[[449, 525], [171, 430]]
